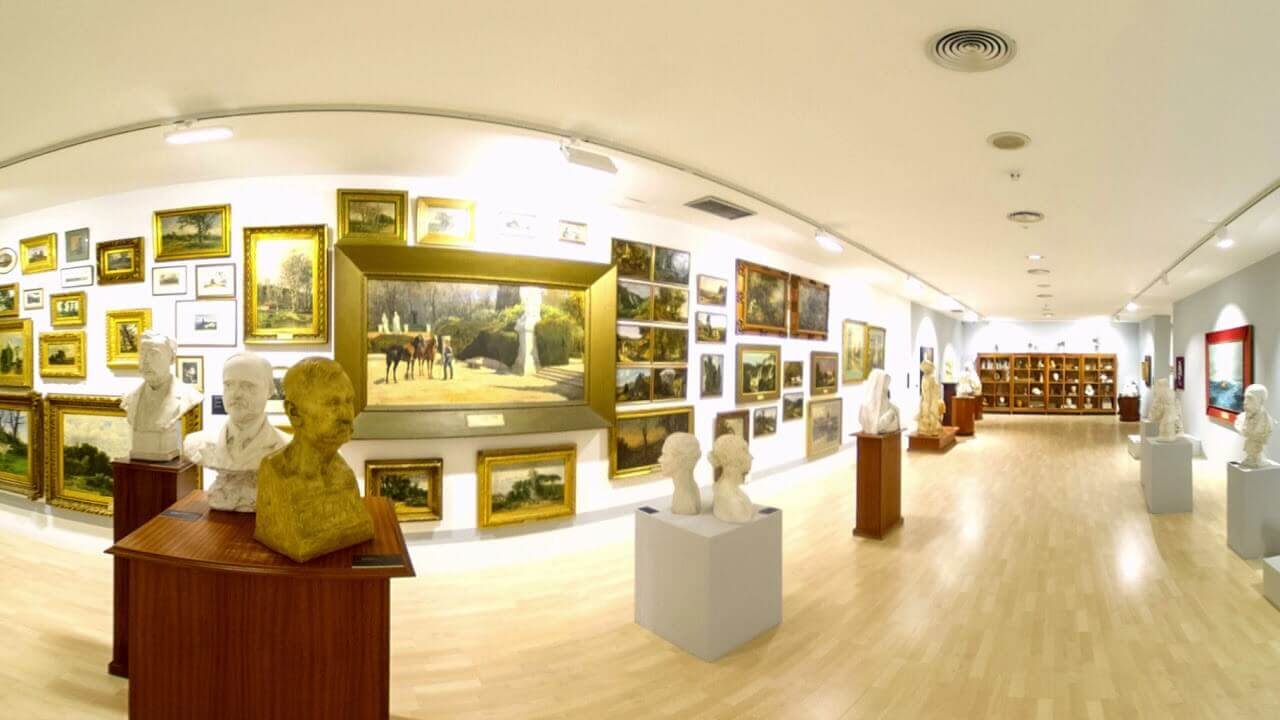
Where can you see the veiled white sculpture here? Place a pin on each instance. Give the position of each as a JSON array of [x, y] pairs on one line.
[[237, 449], [1130, 389], [1255, 424], [1165, 410], [929, 419], [154, 408], [970, 384], [680, 453], [729, 453], [878, 415]]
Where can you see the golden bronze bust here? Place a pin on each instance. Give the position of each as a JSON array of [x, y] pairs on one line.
[[308, 501]]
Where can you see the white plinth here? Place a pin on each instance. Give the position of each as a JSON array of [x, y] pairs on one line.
[[705, 585], [1150, 428], [1253, 510], [1166, 475], [1135, 447], [1271, 580]]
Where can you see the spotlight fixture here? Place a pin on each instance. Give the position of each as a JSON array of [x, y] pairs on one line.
[[1225, 241], [575, 155], [1131, 307], [187, 132], [1035, 257], [1025, 217], [1038, 271], [828, 243], [1008, 140]]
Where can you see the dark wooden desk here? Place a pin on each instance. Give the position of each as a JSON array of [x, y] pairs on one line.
[[235, 630]]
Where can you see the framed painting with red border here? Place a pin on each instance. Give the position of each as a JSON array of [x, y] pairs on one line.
[[1228, 370]]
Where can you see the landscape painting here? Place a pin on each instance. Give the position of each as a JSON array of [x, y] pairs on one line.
[[373, 216], [792, 406], [635, 344], [8, 260], [523, 485], [764, 421], [712, 290], [16, 453], [762, 300], [39, 253], [286, 284], [215, 281], [875, 348], [412, 486], [15, 353], [86, 439], [62, 355], [824, 427], [758, 375], [197, 232], [670, 345], [9, 300], [635, 301], [809, 303], [634, 384], [855, 363], [634, 259], [66, 309], [1228, 370], [124, 334], [670, 305], [638, 438], [824, 373], [669, 383], [75, 245], [670, 266], [445, 221], [793, 374], [712, 375], [120, 261], [711, 327]]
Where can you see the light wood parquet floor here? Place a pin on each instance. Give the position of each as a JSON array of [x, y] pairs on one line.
[[1028, 582]]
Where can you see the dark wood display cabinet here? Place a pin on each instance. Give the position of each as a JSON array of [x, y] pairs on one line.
[[1048, 383]]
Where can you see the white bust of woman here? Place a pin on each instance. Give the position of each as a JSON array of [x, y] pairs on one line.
[[878, 415], [729, 453], [1165, 410], [680, 453], [1255, 424]]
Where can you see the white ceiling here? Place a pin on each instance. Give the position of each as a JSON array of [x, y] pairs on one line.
[[1149, 119]]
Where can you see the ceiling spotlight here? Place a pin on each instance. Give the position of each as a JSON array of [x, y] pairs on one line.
[[914, 284], [1038, 271], [1131, 307], [188, 132], [828, 243], [587, 159], [1026, 217], [1008, 140], [1225, 241], [1035, 258]]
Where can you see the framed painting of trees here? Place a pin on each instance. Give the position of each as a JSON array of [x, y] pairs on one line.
[[84, 433], [21, 446], [192, 233], [286, 285], [525, 484], [412, 486], [637, 438]]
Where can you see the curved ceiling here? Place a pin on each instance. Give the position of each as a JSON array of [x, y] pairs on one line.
[[1149, 120]]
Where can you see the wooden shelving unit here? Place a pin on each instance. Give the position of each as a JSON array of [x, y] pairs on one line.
[[1048, 383]]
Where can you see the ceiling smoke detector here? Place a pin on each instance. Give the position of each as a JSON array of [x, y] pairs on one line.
[[1026, 217], [971, 49], [1008, 140]]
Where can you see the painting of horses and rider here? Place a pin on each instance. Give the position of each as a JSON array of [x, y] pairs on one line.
[[442, 343]]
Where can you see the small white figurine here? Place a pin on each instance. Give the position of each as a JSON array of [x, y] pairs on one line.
[[878, 415], [970, 384], [929, 419], [729, 453], [1130, 389], [680, 453], [1165, 410], [154, 408], [1255, 424]]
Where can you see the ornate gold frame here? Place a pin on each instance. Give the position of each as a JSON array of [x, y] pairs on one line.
[[793, 303], [865, 370], [884, 339], [795, 397], [22, 325], [355, 264], [17, 300], [434, 510], [814, 388], [161, 255], [49, 371], [799, 381], [745, 397], [486, 459], [32, 404], [137, 272], [813, 451], [48, 264], [423, 204], [613, 439], [79, 320], [399, 197], [744, 270], [55, 408], [115, 358], [318, 332]]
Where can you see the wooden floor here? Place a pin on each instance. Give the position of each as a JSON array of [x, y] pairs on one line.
[[1028, 582]]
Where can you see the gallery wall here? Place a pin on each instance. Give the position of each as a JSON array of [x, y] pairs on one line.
[[1078, 336], [945, 334], [1155, 340]]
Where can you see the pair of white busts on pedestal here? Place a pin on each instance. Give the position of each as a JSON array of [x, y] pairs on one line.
[[970, 384], [729, 454], [929, 419], [878, 415], [1255, 424], [1166, 411], [155, 407]]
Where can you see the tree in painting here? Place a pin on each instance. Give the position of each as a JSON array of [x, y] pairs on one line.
[[192, 231], [285, 274], [525, 486], [638, 440], [13, 441], [766, 300], [813, 308], [11, 356], [403, 490]]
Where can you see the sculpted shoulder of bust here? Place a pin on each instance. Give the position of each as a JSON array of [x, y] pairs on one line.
[[154, 408], [308, 500]]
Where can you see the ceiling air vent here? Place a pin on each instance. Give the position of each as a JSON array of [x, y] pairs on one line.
[[971, 49], [720, 208]]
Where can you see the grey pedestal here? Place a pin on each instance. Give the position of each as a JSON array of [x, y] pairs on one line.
[[1166, 475], [705, 585], [1253, 510], [1271, 580], [1150, 428]]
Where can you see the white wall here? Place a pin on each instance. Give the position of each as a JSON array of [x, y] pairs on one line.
[[1079, 336], [1155, 340]]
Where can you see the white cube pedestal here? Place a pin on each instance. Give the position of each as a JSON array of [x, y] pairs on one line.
[[1150, 428], [705, 585], [1253, 510], [1271, 580], [1166, 475], [1135, 447]]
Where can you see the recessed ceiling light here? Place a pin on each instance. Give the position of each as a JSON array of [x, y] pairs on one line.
[[1008, 140], [1035, 258], [1038, 271], [1131, 307], [188, 132], [1026, 217], [1225, 243], [828, 243]]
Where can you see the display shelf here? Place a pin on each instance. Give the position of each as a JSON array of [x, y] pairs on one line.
[[1062, 379], [996, 372]]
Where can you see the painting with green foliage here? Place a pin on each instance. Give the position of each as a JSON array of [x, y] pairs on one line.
[[524, 486], [284, 275], [635, 301], [14, 451], [89, 442], [13, 350], [200, 230]]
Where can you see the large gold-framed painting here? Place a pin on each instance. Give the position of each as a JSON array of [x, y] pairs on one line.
[[412, 486], [762, 300], [84, 433], [809, 302], [855, 364], [286, 284], [759, 376], [373, 216], [445, 221], [121, 261], [635, 442], [39, 254], [124, 336], [191, 233], [823, 430], [16, 353], [21, 430], [525, 484], [62, 354]]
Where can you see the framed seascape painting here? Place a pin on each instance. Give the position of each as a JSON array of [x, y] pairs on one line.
[[669, 383], [21, 457], [124, 336], [373, 216], [8, 260], [762, 300], [205, 322], [525, 484], [286, 285], [572, 232], [169, 280], [413, 486], [633, 384], [875, 348], [635, 344], [823, 430], [635, 301], [39, 254], [810, 302], [670, 266], [824, 372], [79, 276], [33, 299], [120, 261], [712, 376], [192, 233], [85, 432], [758, 376], [634, 259], [9, 300], [792, 406], [637, 437], [670, 305], [75, 245], [764, 421], [793, 374], [216, 281], [62, 354], [855, 364], [190, 371], [712, 290], [67, 309], [711, 327], [445, 221], [1228, 371], [16, 353]]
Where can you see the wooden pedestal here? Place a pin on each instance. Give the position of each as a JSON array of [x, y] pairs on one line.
[[142, 490], [932, 443], [234, 630], [1130, 409], [963, 413], [948, 392], [977, 410], [879, 492]]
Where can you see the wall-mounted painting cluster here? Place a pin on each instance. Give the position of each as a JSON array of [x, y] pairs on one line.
[[653, 322], [776, 303]]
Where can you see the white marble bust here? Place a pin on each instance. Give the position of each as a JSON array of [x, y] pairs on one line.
[[680, 453], [1255, 424], [929, 419], [1165, 410], [878, 415], [729, 453], [156, 406], [970, 384], [236, 450]]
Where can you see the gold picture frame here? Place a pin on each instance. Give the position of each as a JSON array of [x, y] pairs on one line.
[[353, 203], [16, 362], [633, 461], [10, 300], [824, 372], [121, 261], [68, 309], [168, 240], [805, 298], [444, 221], [22, 473], [376, 471], [823, 427], [269, 285], [491, 476], [759, 289], [108, 429], [855, 363], [123, 349], [44, 249], [754, 381], [70, 364]]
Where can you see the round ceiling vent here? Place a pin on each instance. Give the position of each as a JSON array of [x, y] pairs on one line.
[[1008, 140], [1038, 271], [971, 49], [1026, 217]]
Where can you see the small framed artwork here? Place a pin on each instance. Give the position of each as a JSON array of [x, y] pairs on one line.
[[712, 376], [205, 322], [809, 302], [855, 367], [39, 253], [275, 401], [711, 327], [169, 280], [84, 433], [525, 484], [762, 300], [121, 261], [373, 216], [1146, 370], [445, 221], [875, 348], [792, 406], [124, 336], [712, 290], [635, 344], [1180, 373], [633, 384], [634, 259], [573, 232], [16, 359], [192, 233], [669, 383], [759, 373], [191, 371], [412, 486], [286, 285], [824, 372], [670, 345], [1228, 370], [635, 301], [517, 224], [764, 421], [823, 431], [737, 422], [216, 281], [636, 439], [8, 260], [793, 374], [75, 245], [33, 299], [22, 460], [670, 266], [62, 354], [9, 300], [67, 309], [670, 305], [80, 276]]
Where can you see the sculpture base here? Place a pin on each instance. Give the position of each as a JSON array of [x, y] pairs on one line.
[[879, 491], [941, 442], [1253, 510], [964, 412], [159, 446], [1166, 475], [1271, 580], [1130, 409]]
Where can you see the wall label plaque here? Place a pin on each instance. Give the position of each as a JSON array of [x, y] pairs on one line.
[[217, 407], [487, 420], [376, 561]]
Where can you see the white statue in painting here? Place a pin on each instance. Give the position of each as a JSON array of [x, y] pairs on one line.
[[970, 384], [729, 453], [929, 419], [236, 450], [1166, 411], [878, 415], [680, 453], [1255, 424], [156, 406]]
